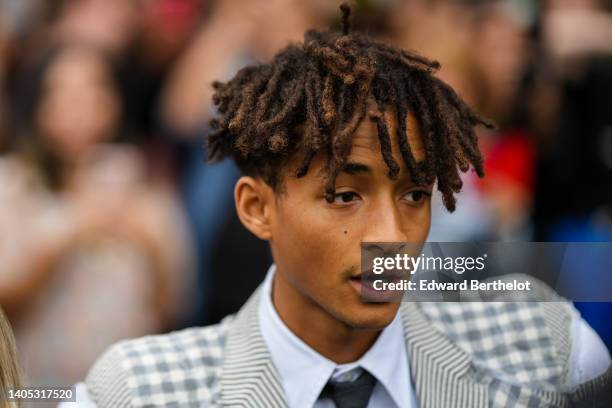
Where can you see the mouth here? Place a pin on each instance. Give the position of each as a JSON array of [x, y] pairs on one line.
[[375, 287]]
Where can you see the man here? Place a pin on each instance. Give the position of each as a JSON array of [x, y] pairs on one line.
[[341, 140]]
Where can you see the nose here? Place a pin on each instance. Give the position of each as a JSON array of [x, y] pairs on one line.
[[384, 224], [383, 227]]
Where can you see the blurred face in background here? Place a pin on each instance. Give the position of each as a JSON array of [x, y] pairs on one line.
[[110, 25], [79, 105], [272, 23], [500, 51]]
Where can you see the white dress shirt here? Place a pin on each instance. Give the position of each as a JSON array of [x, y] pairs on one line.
[[303, 372]]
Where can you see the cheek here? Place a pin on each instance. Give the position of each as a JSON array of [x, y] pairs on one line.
[[418, 224], [310, 244], [307, 233]]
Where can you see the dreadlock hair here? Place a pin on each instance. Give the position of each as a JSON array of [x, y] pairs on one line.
[[313, 95]]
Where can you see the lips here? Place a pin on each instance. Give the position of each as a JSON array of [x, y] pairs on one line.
[[387, 275], [363, 283]]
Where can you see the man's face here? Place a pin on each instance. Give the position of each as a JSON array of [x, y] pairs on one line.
[[316, 244]]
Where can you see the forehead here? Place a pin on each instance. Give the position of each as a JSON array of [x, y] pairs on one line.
[[366, 141], [76, 66], [366, 146]]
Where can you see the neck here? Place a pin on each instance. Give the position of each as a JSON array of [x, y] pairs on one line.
[[324, 333]]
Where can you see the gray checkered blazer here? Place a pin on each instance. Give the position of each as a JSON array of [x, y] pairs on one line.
[[493, 354]]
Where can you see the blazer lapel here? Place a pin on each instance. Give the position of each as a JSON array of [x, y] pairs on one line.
[[249, 378], [441, 371]]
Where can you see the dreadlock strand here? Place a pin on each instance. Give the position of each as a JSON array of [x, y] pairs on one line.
[[248, 95], [456, 138], [303, 168], [313, 115], [420, 107], [272, 87], [346, 12], [402, 132], [287, 109], [328, 105], [385, 146]]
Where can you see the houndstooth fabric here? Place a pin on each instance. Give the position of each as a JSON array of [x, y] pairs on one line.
[[512, 347], [461, 355], [179, 369]]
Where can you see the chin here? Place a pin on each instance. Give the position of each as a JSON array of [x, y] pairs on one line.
[[372, 316]]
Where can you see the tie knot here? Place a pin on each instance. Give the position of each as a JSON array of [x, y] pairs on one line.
[[351, 394]]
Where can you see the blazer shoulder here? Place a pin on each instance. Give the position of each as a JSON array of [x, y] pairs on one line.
[[519, 339], [177, 367]]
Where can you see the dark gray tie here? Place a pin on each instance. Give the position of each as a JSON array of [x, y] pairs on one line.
[[351, 394]]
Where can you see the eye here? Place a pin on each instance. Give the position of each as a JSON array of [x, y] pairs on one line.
[[417, 196], [345, 197]]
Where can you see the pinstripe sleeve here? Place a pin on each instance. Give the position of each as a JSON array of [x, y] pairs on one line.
[[107, 381], [596, 393]]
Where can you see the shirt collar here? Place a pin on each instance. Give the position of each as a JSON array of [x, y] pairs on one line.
[[304, 372]]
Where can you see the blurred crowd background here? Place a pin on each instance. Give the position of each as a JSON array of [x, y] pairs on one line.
[[111, 224]]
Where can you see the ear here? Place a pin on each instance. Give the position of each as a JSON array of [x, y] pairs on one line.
[[253, 199]]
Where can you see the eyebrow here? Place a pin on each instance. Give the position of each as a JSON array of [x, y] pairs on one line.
[[354, 168]]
